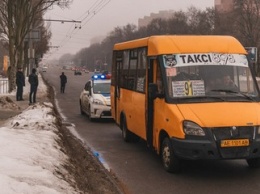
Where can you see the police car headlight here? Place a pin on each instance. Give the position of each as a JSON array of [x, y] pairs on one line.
[[191, 128], [99, 102]]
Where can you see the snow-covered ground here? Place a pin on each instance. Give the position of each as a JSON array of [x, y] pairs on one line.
[[31, 160]]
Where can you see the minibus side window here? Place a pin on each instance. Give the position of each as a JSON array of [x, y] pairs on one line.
[[132, 70], [124, 70], [141, 70], [159, 81]]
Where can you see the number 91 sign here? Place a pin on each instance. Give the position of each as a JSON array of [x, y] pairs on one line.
[[188, 88]]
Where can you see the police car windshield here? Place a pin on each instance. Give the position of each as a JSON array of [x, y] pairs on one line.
[[101, 88], [203, 75]]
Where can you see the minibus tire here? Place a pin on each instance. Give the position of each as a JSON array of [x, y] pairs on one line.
[[253, 163], [126, 134], [171, 162], [134, 138]]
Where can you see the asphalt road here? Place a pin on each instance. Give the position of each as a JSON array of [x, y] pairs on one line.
[[140, 169]]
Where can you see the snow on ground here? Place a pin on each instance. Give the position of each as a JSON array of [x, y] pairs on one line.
[[31, 160]]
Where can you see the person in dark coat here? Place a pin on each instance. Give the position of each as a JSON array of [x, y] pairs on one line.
[[33, 80], [63, 81], [20, 83]]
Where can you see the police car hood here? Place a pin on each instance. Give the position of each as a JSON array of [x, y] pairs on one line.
[[103, 97], [222, 114]]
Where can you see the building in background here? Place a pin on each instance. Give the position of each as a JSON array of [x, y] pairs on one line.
[[220, 6], [224, 5], [147, 19]]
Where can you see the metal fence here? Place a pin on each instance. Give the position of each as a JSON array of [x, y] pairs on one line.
[[4, 86]]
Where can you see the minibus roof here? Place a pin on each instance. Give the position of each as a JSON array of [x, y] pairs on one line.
[[169, 44]]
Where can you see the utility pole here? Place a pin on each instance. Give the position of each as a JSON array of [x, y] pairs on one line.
[[31, 52], [62, 21]]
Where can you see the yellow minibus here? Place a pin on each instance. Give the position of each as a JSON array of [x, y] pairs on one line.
[[189, 97]]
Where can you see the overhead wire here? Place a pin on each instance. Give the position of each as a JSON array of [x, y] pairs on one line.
[[88, 15]]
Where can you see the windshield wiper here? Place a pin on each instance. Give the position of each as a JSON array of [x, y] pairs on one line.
[[234, 92], [207, 97]]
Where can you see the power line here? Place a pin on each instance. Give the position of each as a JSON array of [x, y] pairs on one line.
[[97, 7]]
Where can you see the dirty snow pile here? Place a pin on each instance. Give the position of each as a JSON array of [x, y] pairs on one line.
[[7, 103], [31, 160]]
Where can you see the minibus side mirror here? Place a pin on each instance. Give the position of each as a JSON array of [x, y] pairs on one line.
[[153, 91]]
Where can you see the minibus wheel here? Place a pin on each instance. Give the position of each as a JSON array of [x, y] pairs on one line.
[[253, 163], [171, 162], [126, 134]]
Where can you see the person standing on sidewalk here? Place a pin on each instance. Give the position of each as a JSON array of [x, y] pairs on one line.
[[33, 80], [63, 81], [20, 83]]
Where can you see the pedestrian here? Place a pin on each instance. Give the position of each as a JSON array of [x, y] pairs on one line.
[[20, 83], [63, 81], [33, 80]]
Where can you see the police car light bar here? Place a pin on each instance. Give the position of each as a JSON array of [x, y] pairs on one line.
[[100, 76]]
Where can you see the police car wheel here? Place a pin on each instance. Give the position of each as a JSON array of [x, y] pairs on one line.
[[170, 162], [81, 111], [89, 114]]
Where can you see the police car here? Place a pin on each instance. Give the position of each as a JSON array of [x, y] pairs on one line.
[[95, 98]]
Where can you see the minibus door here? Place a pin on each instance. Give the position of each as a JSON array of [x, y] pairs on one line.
[[150, 102], [117, 91], [156, 101]]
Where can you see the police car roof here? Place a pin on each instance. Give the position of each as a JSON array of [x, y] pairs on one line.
[[101, 80]]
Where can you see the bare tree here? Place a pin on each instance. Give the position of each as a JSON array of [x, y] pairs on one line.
[[18, 18], [247, 21], [157, 26], [201, 22], [244, 23], [178, 23]]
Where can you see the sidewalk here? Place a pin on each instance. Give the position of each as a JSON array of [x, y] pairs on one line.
[[13, 108]]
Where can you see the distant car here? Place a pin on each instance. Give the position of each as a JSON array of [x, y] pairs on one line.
[[66, 67], [44, 69], [107, 73], [94, 100], [77, 72], [96, 71], [86, 71]]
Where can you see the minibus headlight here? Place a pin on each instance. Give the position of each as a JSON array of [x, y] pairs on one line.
[[96, 101], [191, 128]]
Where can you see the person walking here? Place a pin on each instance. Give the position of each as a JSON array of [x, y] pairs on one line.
[[33, 80], [20, 83], [63, 81]]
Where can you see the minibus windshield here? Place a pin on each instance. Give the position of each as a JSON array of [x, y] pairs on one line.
[[195, 76]]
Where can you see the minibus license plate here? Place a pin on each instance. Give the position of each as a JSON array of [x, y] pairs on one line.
[[235, 142]]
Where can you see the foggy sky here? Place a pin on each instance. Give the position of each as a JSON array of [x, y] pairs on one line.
[[99, 17]]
